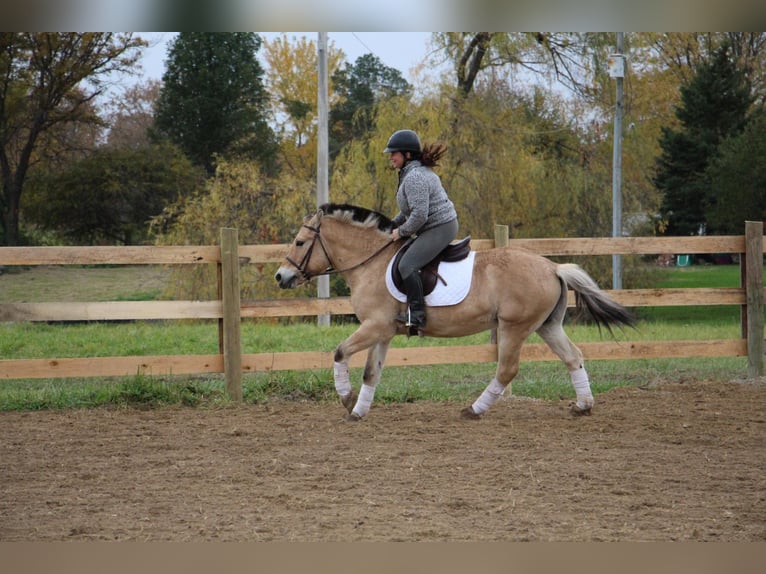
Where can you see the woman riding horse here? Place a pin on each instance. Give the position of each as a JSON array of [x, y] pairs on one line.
[[356, 243], [425, 213]]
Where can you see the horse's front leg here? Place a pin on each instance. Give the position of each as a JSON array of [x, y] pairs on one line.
[[376, 357], [367, 336]]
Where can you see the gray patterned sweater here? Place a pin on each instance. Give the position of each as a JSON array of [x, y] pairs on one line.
[[423, 202]]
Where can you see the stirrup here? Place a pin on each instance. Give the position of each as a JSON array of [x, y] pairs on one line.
[[407, 319]]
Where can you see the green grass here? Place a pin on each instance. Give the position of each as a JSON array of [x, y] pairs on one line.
[[696, 276], [460, 383], [83, 283], [42, 340]]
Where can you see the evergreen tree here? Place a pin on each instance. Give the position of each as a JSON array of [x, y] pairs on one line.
[[714, 106], [738, 175], [213, 100]]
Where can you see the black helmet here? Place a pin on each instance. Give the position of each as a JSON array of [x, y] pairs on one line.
[[403, 140]]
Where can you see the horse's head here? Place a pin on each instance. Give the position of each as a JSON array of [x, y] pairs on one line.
[[302, 261], [353, 235]]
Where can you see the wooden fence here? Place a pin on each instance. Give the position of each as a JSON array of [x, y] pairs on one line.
[[229, 310]]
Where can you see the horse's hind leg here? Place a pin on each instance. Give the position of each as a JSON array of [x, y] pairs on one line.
[[510, 339], [553, 334]]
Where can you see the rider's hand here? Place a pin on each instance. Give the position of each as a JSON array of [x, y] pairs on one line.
[[395, 235]]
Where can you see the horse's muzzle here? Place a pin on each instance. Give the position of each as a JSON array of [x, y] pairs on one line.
[[286, 278]]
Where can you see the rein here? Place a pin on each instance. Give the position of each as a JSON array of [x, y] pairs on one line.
[[331, 270]]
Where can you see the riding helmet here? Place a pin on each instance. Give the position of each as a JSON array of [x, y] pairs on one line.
[[403, 140]]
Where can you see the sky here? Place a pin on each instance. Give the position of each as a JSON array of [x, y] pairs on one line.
[[400, 50]]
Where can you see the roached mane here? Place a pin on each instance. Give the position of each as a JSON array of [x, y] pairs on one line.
[[360, 216]]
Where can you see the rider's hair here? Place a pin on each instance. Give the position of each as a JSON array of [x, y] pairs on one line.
[[431, 154]]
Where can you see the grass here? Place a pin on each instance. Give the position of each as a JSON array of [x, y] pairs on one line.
[[83, 283], [696, 276], [460, 383]]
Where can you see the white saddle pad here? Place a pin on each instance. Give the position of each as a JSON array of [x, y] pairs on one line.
[[457, 275]]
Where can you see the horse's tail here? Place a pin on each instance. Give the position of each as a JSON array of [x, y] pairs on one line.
[[605, 311]]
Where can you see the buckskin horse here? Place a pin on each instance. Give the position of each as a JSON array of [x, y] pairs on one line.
[[509, 289]]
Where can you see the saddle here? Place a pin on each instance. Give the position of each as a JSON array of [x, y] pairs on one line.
[[429, 275]]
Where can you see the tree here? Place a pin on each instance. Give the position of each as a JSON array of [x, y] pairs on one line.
[[47, 82], [681, 53], [714, 106], [565, 57], [110, 197], [213, 100], [239, 196], [130, 117], [292, 82], [503, 164], [738, 176], [360, 87]]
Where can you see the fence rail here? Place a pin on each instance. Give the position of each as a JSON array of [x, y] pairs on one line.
[[229, 310]]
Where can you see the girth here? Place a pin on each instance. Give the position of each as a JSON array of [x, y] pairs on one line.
[[430, 273]]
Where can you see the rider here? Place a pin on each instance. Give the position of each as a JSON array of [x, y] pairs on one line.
[[425, 213]]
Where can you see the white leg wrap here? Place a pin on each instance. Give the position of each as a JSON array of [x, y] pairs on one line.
[[342, 381], [488, 397], [366, 394], [581, 386]]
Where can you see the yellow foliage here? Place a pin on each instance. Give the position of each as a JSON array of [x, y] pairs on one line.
[[238, 196], [291, 78]]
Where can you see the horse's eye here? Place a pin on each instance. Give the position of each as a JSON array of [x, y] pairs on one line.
[[299, 243]]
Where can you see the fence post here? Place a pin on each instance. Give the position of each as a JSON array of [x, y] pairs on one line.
[[232, 348], [754, 296], [501, 240]]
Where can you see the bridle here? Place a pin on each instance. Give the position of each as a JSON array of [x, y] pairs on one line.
[[302, 267]]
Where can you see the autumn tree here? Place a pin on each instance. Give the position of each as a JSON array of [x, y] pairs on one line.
[[291, 74], [213, 101], [238, 195], [682, 53], [47, 83], [130, 117], [564, 57], [498, 166]]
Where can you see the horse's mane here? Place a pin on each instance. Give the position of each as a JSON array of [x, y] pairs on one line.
[[360, 216]]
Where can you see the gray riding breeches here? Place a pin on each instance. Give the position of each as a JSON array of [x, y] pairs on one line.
[[426, 246]]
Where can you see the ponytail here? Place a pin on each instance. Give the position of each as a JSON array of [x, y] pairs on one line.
[[432, 153]]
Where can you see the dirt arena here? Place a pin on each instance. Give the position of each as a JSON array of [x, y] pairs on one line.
[[682, 461]]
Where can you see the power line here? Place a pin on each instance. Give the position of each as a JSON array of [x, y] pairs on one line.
[[366, 47]]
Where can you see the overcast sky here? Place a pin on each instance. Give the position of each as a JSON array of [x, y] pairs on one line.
[[400, 50]]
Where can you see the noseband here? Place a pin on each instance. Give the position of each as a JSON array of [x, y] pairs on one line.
[[302, 267]]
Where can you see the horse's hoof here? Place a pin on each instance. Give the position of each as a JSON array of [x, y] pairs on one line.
[[352, 418], [576, 411], [349, 401], [468, 414]]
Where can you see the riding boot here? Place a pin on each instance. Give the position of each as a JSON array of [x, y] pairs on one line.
[[415, 318]]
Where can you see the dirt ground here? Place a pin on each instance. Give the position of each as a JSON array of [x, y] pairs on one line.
[[674, 462]]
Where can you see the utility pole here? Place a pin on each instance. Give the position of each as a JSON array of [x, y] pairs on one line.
[[323, 282], [617, 71]]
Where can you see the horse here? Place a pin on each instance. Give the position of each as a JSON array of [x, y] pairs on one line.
[[512, 290]]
